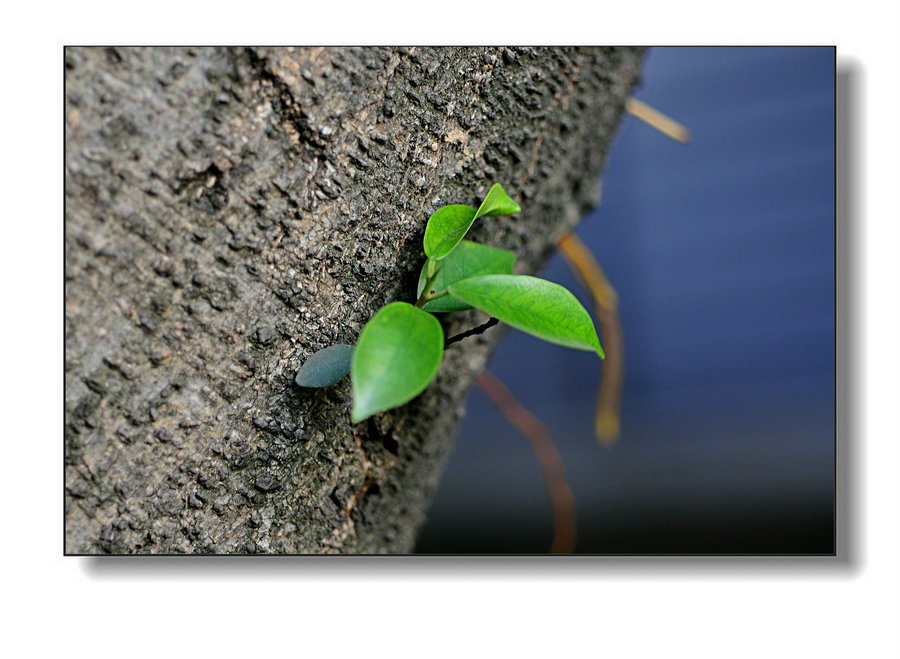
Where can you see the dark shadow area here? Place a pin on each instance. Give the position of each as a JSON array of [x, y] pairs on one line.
[[801, 529]]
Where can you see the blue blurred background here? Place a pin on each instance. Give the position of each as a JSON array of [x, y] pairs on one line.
[[722, 253]]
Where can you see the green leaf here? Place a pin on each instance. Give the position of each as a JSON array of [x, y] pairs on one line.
[[445, 228], [539, 307], [325, 367], [397, 355], [448, 225], [467, 260], [497, 202]]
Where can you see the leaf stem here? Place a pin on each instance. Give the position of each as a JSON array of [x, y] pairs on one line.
[[424, 298]]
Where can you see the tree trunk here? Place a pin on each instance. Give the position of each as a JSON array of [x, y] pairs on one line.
[[230, 211]]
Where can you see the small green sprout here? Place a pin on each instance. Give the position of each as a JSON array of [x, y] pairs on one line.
[[400, 349]]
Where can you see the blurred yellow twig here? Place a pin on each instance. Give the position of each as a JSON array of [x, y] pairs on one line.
[[657, 120], [606, 302]]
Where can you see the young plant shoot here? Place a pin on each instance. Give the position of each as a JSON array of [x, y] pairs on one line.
[[400, 349]]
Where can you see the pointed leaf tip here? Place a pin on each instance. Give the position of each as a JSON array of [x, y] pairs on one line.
[[497, 203]]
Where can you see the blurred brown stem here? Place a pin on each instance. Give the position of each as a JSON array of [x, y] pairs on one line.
[[564, 524]]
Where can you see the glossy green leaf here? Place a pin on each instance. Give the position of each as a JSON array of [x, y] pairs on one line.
[[446, 227], [497, 202], [325, 367], [467, 260], [539, 307], [397, 355]]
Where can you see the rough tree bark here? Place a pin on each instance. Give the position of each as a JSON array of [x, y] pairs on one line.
[[229, 211]]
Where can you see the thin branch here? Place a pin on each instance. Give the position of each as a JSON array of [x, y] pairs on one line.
[[472, 332], [564, 524]]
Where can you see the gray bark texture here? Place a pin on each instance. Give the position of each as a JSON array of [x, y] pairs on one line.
[[229, 212]]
